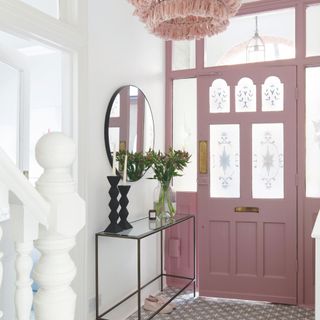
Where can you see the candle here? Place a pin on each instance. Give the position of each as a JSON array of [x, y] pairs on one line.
[[125, 169], [114, 160]]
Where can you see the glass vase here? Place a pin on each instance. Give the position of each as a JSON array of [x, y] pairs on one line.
[[163, 201]]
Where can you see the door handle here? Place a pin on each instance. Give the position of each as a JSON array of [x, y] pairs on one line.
[[246, 209]]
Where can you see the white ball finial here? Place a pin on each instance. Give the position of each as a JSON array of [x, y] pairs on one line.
[[55, 150]]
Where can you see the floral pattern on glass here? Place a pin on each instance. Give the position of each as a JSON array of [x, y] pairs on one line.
[[267, 161], [246, 96], [225, 161], [219, 97], [272, 94]]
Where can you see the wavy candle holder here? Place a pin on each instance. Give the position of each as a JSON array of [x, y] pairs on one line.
[[113, 227], [123, 213]]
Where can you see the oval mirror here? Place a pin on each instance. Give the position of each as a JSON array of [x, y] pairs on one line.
[[128, 124]]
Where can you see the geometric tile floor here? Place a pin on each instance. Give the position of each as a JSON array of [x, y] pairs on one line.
[[203, 308]]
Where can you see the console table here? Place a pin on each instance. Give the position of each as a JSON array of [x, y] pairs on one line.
[[144, 228]]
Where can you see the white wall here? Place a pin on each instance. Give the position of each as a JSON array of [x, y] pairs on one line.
[[121, 52]]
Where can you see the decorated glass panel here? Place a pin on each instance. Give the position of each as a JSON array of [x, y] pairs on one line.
[[267, 161], [225, 161], [312, 132], [219, 96], [115, 111], [246, 96], [272, 94]]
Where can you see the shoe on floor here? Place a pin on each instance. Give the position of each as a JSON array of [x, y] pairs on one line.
[[162, 299], [151, 305]]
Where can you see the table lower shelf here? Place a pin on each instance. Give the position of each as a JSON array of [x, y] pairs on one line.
[[190, 281]]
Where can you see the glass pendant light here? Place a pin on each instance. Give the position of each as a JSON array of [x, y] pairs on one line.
[[256, 50]]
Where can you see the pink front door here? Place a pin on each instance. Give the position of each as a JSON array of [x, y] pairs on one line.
[[247, 196]]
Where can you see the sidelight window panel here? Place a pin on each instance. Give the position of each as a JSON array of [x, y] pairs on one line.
[[312, 132], [183, 55]]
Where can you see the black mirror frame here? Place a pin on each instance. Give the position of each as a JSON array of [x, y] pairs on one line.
[[107, 118]]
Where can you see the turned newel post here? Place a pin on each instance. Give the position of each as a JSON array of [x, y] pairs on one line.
[[55, 270]]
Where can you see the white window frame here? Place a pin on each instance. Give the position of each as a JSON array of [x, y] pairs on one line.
[[69, 34]]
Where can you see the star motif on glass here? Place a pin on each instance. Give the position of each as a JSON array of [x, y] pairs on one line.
[[224, 160], [268, 161]]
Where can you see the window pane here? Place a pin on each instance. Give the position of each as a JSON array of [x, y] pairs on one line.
[[272, 94], [49, 99], [185, 130], [246, 96], [225, 161], [115, 110], [183, 55], [267, 161], [114, 138], [50, 7], [313, 132], [9, 110], [313, 30], [219, 96], [230, 46]]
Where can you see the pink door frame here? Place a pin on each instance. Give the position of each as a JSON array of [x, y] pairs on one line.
[[306, 207]]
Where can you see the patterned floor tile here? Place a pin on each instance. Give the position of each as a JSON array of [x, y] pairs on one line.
[[201, 308]]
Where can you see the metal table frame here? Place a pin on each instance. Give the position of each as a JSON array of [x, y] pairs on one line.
[[191, 280]]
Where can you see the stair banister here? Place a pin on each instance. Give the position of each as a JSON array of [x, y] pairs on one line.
[[52, 214], [17, 183], [28, 209], [316, 235]]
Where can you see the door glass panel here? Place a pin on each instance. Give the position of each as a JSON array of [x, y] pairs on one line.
[[246, 96], [185, 130], [183, 55], [225, 161], [272, 94], [313, 31], [219, 96], [267, 161], [231, 46], [9, 110], [312, 132]]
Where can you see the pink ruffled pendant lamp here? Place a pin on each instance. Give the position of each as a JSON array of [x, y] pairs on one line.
[[185, 19]]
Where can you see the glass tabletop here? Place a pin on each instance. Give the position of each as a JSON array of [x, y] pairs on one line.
[[145, 227]]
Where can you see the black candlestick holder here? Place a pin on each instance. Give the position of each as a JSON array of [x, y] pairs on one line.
[[123, 213], [113, 205]]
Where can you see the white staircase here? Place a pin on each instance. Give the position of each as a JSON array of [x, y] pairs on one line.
[[49, 217]]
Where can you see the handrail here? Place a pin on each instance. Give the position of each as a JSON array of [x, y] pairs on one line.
[[17, 183]]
